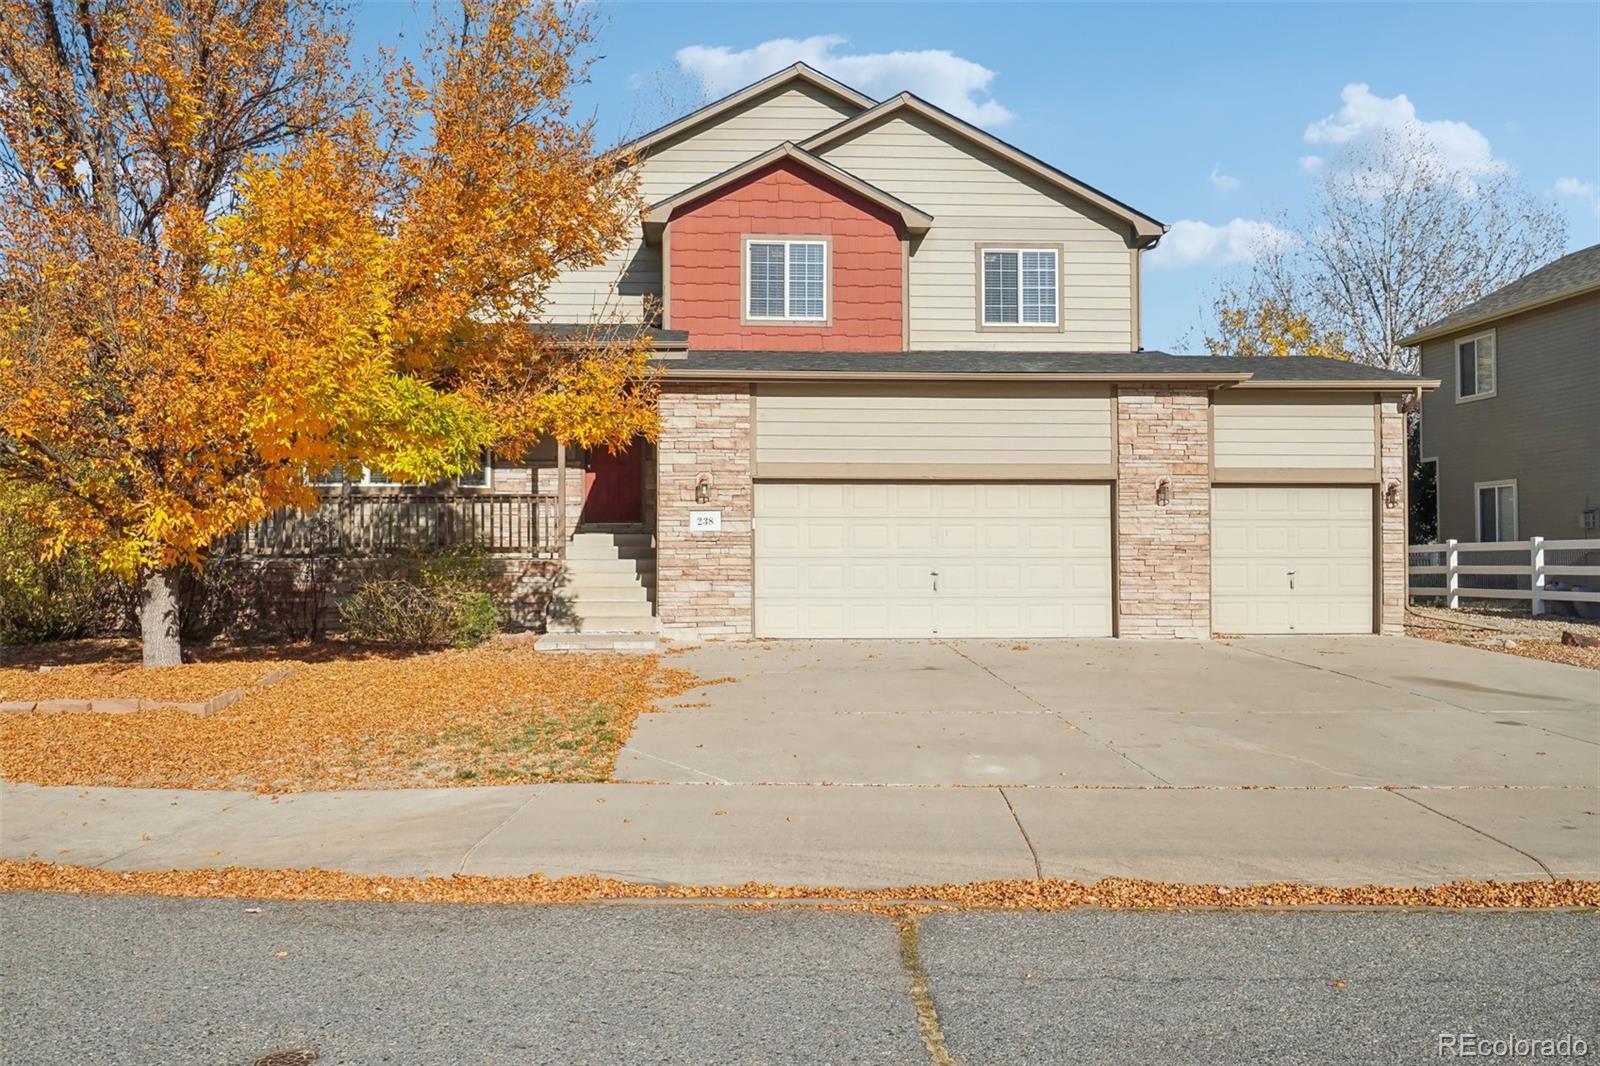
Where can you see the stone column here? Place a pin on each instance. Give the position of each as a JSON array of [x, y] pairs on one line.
[[704, 579], [1392, 521], [1163, 551]]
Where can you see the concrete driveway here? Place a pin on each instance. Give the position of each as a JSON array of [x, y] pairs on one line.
[[1284, 713]]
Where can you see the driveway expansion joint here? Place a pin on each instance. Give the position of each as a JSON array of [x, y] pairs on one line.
[[481, 841], [1469, 826], [1119, 753], [1038, 870]]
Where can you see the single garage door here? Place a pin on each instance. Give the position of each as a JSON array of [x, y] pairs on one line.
[[1291, 560], [922, 559]]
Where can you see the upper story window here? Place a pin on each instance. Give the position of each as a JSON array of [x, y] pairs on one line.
[[1475, 368], [786, 280], [1020, 287]]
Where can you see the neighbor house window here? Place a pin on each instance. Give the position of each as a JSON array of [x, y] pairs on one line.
[[786, 280], [366, 475], [1020, 286], [1475, 367], [482, 476], [1497, 510]]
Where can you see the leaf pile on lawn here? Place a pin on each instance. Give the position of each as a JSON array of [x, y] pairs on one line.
[[497, 714], [192, 682]]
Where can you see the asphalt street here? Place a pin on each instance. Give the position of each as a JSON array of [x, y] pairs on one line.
[[134, 980]]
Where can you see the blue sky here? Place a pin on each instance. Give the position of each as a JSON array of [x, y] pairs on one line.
[[1201, 115]]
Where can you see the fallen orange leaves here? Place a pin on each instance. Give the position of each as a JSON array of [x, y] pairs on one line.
[[1047, 894], [499, 714], [190, 682]]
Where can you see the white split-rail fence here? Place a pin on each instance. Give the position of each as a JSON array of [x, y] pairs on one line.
[[1542, 572]]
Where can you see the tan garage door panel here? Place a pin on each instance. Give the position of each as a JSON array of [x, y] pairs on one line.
[[858, 559], [1291, 560]]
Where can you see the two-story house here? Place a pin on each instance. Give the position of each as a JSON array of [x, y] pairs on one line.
[[904, 395], [1513, 432]]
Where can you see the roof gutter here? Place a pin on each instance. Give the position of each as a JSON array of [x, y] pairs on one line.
[[1324, 385], [903, 375]]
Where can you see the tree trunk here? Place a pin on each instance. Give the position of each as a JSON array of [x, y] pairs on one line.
[[158, 618]]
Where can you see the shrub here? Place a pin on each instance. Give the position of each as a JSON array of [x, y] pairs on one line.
[[55, 599], [258, 599], [446, 602]]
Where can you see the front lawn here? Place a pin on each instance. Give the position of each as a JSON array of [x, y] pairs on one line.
[[499, 714]]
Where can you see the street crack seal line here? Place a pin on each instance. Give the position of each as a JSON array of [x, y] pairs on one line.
[[921, 997], [1038, 871], [1118, 752], [1467, 825]]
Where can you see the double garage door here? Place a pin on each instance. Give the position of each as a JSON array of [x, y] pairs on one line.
[[921, 559], [1029, 559]]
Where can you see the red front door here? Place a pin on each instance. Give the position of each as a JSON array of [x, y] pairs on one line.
[[614, 485]]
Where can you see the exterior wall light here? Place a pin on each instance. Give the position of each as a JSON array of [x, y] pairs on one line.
[[1391, 495], [702, 489], [1163, 492]]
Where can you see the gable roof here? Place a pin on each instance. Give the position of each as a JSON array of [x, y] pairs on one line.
[[657, 215], [799, 73], [1147, 230], [1571, 275]]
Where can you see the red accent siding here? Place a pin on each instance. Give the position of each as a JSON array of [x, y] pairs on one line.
[[866, 282]]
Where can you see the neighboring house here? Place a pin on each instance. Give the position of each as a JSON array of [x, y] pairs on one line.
[[1513, 432], [904, 395]]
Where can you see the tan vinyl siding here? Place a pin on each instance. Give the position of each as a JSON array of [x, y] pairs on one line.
[[623, 282], [978, 198], [1540, 429], [1294, 430], [619, 286], [980, 425]]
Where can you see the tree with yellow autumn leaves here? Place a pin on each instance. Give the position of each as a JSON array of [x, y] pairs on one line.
[[230, 263]]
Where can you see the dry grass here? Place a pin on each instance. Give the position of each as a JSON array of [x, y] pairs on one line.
[[1045, 894], [1506, 631], [499, 714]]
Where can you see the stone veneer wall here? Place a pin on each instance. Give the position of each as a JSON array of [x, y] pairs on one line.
[[704, 581], [1392, 529], [1163, 553]]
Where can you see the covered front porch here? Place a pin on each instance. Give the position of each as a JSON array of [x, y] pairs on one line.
[[568, 534]]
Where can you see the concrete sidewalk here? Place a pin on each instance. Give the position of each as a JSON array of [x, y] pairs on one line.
[[847, 836]]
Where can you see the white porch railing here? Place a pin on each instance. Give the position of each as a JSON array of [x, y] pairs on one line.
[[1543, 572]]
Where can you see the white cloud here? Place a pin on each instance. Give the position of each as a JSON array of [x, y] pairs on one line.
[[1577, 189], [1365, 116], [958, 85], [1222, 182], [1312, 164], [1191, 243]]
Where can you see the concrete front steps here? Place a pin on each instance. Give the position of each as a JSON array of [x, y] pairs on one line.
[[606, 598]]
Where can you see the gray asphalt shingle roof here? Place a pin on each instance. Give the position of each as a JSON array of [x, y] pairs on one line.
[[1131, 364], [663, 338], [1567, 276]]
